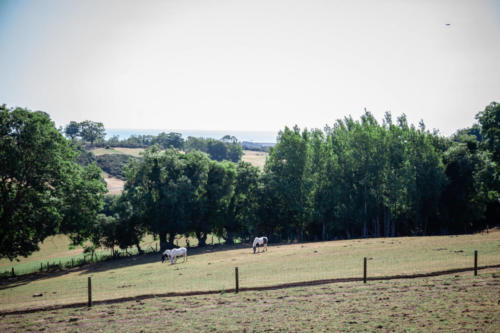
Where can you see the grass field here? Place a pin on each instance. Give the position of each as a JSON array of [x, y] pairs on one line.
[[207, 269], [454, 303], [256, 158], [55, 249], [135, 152]]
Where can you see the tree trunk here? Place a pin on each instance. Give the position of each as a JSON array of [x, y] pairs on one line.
[[170, 241], [139, 248], [202, 238], [323, 231], [387, 221], [230, 237], [365, 218], [426, 222], [163, 241]]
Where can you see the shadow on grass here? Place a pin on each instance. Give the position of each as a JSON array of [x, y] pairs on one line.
[[113, 263], [152, 258]]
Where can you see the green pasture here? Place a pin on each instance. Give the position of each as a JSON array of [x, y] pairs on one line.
[[452, 303], [58, 249], [213, 268]]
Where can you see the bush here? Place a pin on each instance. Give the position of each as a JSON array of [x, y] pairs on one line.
[[114, 164]]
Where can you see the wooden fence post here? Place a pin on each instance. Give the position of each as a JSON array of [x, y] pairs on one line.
[[41, 266], [13, 274], [364, 270], [237, 289], [475, 263], [72, 263], [90, 292]]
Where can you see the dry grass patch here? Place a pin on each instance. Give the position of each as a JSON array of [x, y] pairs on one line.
[[135, 152], [113, 184], [256, 158], [454, 303]]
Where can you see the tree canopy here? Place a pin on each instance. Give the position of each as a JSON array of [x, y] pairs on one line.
[[42, 190]]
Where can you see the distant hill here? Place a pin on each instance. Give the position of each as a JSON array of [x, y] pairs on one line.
[[257, 146]]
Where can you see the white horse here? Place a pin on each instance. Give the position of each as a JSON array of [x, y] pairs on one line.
[[260, 241], [166, 255], [177, 253]]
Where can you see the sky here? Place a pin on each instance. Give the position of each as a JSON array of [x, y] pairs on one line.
[[250, 65]]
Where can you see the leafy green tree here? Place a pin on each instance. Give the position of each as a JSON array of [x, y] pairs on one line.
[[193, 143], [92, 131], [169, 140], [196, 170], [241, 211], [489, 119], [234, 152], [123, 228], [217, 150], [159, 191], [472, 180], [83, 200], [72, 130], [288, 165], [37, 172], [213, 192], [227, 149]]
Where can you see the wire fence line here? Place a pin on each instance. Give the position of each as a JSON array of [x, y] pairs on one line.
[[52, 265], [67, 262], [104, 290]]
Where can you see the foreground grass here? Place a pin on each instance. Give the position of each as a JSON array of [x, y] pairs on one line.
[[214, 270], [453, 303]]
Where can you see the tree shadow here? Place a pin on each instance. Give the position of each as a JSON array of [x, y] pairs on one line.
[[20, 280], [151, 258], [117, 263]]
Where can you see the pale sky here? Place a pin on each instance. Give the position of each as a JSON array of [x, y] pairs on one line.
[[250, 65]]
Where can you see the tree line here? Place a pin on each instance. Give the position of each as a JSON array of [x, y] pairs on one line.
[[356, 178], [227, 148]]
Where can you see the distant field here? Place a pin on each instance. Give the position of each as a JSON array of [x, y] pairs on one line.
[[113, 184], [209, 270], [136, 152], [256, 158]]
